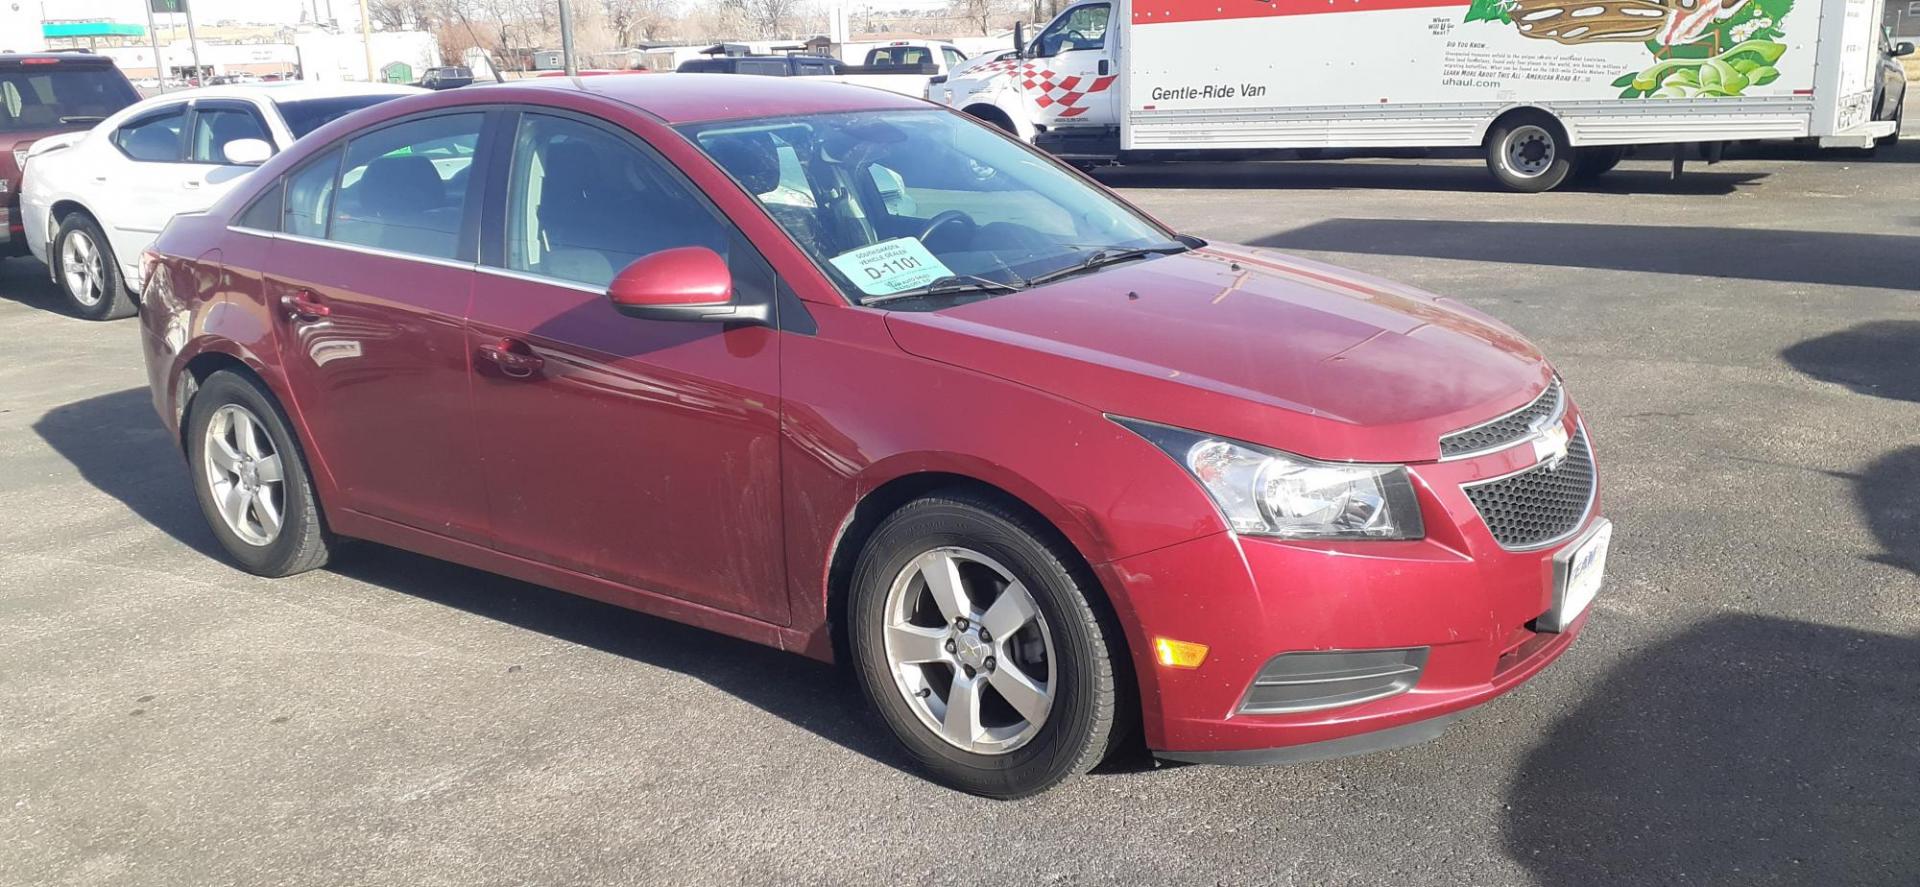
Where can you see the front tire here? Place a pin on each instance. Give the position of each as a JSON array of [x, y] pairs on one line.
[[1529, 153], [975, 637], [87, 272], [251, 478]]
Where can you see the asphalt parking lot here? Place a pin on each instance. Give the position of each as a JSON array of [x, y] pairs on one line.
[[1743, 709]]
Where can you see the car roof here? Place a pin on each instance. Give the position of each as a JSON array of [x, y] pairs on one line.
[[290, 90], [700, 98], [76, 59]]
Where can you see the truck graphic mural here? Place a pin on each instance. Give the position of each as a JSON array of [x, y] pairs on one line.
[[1702, 48]]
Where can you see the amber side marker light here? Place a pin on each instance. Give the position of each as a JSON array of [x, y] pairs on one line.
[[1179, 654]]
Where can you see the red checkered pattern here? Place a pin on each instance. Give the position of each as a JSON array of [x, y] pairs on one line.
[[1055, 95]]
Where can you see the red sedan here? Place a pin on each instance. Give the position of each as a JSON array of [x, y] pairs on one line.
[[848, 374]]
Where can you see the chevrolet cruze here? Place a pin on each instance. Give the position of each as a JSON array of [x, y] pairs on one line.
[[851, 375]]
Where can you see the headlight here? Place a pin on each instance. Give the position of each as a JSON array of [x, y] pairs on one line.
[[1264, 492]]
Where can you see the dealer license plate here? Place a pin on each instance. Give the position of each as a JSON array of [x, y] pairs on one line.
[[1578, 573]]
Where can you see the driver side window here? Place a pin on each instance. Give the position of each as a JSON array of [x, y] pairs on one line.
[[1084, 27]]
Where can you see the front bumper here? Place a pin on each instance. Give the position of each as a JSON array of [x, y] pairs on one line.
[[1468, 603]]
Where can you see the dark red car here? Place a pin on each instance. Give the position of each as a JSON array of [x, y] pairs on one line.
[[852, 375], [43, 94]]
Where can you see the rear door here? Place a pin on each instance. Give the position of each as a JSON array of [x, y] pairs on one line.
[[372, 272], [645, 452], [138, 188]]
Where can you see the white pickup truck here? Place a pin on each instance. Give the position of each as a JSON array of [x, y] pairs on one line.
[[904, 66]]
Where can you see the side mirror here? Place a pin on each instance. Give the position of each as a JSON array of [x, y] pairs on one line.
[[683, 283], [1020, 38], [1904, 47], [247, 152]]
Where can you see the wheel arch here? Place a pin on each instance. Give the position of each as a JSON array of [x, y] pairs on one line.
[[1006, 121], [1520, 112], [878, 503]]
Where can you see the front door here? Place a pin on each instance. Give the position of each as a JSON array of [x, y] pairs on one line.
[[371, 275], [643, 452], [1069, 81]]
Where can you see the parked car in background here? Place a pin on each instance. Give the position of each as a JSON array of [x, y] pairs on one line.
[[446, 77], [1046, 471], [1890, 92], [94, 200], [45, 95], [795, 65], [905, 66]]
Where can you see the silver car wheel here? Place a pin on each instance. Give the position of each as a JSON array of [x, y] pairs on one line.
[[245, 475], [969, 651], [81, 271], [1529, 150]]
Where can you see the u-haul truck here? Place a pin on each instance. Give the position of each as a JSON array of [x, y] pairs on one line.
[[1552, 89]]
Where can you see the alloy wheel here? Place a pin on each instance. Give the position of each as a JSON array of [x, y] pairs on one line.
[[245, 475], [82, 273], [969, 651]]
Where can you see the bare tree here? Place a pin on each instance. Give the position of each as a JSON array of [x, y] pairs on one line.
[[631, 21]]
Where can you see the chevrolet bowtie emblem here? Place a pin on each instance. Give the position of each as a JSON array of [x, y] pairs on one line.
[[1550, 446]]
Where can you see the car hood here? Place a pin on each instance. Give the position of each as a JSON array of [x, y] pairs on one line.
[[1249, 344]]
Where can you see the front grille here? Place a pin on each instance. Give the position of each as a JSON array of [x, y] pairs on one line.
[[1507, 429], [1542, 504]]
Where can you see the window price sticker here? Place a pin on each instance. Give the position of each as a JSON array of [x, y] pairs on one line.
[[890, 266]]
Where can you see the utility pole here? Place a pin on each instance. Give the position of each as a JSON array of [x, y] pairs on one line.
[[193, 40], [566, 39], [153, 35], [366, 34]]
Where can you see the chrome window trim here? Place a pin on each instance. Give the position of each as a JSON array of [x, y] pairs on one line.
[[357, 248], [1586, 511], [530, 277], [1559, 416]]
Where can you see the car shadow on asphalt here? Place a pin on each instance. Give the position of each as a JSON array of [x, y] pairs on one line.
[[120, 447], [809, 694], [1743, 750], [1843, 259], [1376, 174], [1878, 358]]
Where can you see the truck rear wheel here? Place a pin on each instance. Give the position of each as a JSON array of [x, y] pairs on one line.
[[1592, 163], [1529, 153]]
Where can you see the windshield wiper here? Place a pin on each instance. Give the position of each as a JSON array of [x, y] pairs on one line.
[[952, 283], [1101, 258]]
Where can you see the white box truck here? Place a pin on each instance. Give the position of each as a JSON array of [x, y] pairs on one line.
[[1552, 90]]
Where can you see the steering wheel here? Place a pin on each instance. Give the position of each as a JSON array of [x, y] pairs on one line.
[[945, 219]]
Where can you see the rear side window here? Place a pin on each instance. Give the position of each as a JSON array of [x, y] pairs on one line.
[[264, 213], [764, 67], [310, 196], [215, 128], [703, 66], [404, 188], [155, 137]]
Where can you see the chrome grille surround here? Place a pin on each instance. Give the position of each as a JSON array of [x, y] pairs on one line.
[[1505, 431], [1539, 506]]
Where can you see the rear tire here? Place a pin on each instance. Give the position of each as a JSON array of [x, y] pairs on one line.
[[1592, 163], [86, 271], [251, 478], [1044, 694], [1529, 153]]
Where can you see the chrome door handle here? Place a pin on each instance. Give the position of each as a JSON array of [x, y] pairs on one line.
[[514, 358]]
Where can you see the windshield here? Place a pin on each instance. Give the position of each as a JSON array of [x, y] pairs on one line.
[[54, 97], [306, 115], [893, 203]]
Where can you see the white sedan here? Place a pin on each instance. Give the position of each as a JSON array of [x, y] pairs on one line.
[[91, 202]]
